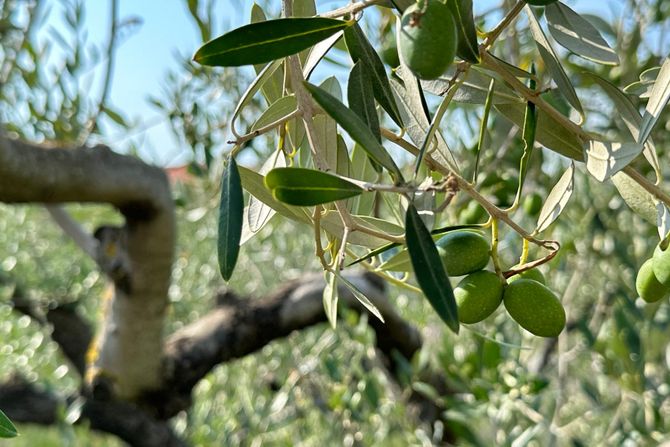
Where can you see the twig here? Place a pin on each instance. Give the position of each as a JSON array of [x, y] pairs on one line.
[[583, 135], [351, 9], [107, 83], [265, 129], [504, 23]]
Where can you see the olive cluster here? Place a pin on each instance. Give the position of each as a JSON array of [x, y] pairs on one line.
[[526, 297], [653, 278], [428, 38]]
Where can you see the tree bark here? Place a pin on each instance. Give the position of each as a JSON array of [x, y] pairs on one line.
[[129, 348]]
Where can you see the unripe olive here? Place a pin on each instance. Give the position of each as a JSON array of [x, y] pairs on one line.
[[427, 38], [536, 308], [478, 295], [534, 274], [661, 264], [474, 213], [389, 53], [463, 252], [532, 204], [648, 286]]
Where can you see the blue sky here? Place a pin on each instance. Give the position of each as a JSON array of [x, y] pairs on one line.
[[146, 54]]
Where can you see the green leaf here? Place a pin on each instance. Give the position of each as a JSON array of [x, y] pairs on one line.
[[360, 49], [631, 117], [318, 52], [360, 101], [307, 187], [272, 88], [429, 270], [360, 296], [258, 214], [331, 222], [658, 99], [557, 200], [231, 211], [549, 133], [254, 183], [267, 41], [551, 61], [528, 138], [330, 298], [604, 159], [265, 76], [362, 169], [7, 429], [418, 124], [278, 110], [637, 198], [473, 90], [576, 34], [356, 128], [115, 116], [401, 5], [468, 48], [482, 128]]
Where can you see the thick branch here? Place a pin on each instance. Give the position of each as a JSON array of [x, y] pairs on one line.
[[238, 327], [130, 347], [24, 402]]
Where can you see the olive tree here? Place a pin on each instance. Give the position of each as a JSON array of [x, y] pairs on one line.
[[459, 149]]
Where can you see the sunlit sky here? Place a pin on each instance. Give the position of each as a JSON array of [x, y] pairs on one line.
[[150, 50]]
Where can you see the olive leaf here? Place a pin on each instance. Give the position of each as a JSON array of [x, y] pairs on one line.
[[360, 101], [278, 110], [330, 298], [576, 34], [549, 132], [604, 159], [417, 123], [272, 88], [356, 128], [468, 49], [551, 61], [361, 49], [557, 200], [231, 212], [254, 183], [631, 118], [658, 99], [267, 41], [263, 77], [360, 296], [307, 187], [258, 214], [473, 90], [318, 52], [637, 198], [7, 429], [429, 270]]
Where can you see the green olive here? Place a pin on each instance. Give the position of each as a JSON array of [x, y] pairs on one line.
[[534, 274], [532, 204], [427, 38], [536, 308], [661, 264], [389, 53], [474, 213], [478, 295], [648, 286], [463, 252]]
